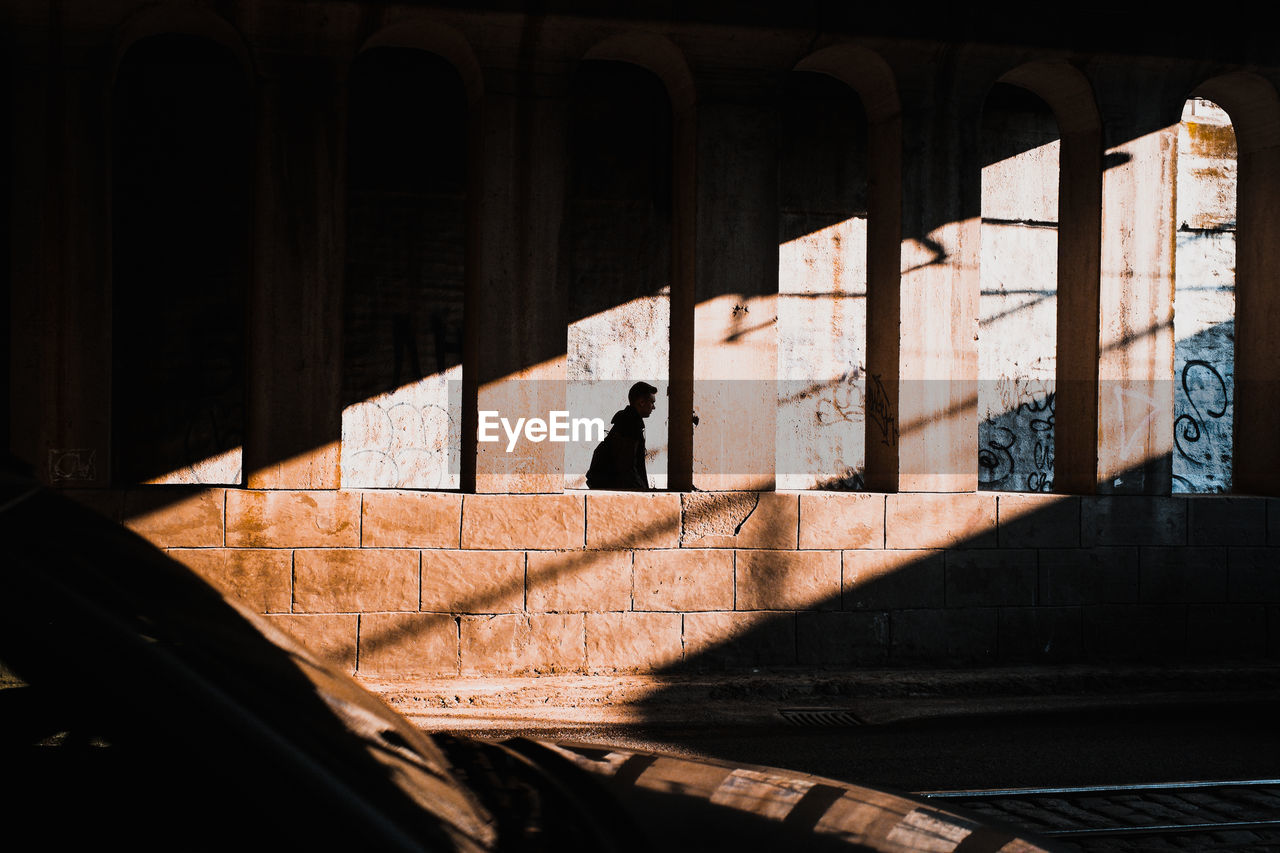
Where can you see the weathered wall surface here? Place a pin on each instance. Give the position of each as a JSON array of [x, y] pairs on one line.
[[1204, 305], [736, 315], [396, 584], [1018, 312], [822, 286], [822, 317], [1135, 396]]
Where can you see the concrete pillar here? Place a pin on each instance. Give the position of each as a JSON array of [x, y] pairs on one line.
[[926, 439], [1135, 364], [684, 224], [520, 355], [61, 309], [884, 305], [1076, 390], [293, 423], [735, 333], [1255, 449]]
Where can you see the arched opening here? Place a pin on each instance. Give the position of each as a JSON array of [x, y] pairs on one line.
[[822, 284], [616, 252], [181, 231], [405, 271], [1018, 308], [1204, 299]]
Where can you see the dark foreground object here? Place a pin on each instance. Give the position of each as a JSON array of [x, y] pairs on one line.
[[141, 707]]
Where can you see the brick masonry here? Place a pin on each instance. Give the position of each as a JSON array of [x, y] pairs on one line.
[[401, 584]]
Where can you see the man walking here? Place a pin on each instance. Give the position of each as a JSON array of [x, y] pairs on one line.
[[618, 462]]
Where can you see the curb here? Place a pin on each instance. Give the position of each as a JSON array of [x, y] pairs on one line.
[[870, 697]]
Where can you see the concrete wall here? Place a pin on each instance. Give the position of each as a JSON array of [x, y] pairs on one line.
[[761, 267], [396, 584]]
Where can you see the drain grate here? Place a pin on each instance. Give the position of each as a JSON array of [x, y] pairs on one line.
[[820, 717]]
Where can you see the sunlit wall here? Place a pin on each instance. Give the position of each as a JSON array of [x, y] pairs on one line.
[[1018, 307], [1204, 300], [822, 285]]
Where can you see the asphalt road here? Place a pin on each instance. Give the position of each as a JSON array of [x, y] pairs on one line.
[[1012, 749], [1018, 748]]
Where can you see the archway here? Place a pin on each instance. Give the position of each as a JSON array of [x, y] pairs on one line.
[[1017, 322], [616, 251], [1204, 299], [405, 271], [181, 218], [822, 284]]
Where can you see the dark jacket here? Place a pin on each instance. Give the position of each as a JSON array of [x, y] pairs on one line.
[[618, 462]]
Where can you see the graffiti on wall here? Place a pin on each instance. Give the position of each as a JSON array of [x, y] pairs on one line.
[[1201, 405], [1203, 391], [406, 439], [1015, 446], [880, 412], [820, 432]]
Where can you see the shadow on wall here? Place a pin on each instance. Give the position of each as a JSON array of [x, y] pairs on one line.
[[181, 200], [1042, 581], [955, 579], [405, 272], [730, 581], [406, 221], [1055, 580]]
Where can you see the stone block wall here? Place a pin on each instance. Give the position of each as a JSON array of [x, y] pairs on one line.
[[404, 584]]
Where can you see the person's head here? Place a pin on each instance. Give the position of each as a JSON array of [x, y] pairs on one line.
[[643, 397]]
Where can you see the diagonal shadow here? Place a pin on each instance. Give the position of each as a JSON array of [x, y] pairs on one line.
[[561, 571], [1072, 580]]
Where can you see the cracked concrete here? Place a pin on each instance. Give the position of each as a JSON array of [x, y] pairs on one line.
[[718, 513]]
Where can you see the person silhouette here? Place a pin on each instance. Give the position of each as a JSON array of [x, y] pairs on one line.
[[618, 461]]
